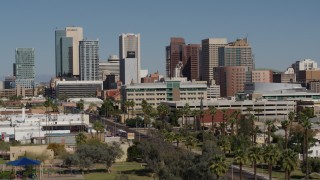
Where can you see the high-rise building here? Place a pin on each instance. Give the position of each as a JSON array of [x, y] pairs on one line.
[[128, 73], [129, 47], [67, 51], [110, 67], [89, 60], [24, 67], [305, 64], [210, 58], [193, 56], [175, 55], [238, 53], [231, 79]]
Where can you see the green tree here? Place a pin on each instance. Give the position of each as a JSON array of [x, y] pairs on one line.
[[271, 155], [190, 142], [218, 166], [269, 125], [80, 105], [240, 157], [81, 138], [255, 156], [224, 120], [285, 126], [306, 124], [163, 111], [213, 112], [178, 138], [99, 128], [289, 162], [58, 149]]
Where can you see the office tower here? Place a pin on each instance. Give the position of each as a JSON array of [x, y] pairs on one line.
[[128, 71], [193, 56], [24, 67], [129, 47], [210, 58], [112, 66], [89, 60], [231, 79], [289, 76], [305, 64], [67, 51], [238, 53], [175, 54]]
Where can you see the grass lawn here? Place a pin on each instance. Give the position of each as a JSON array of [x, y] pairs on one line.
[[2, 161], [133, 170]]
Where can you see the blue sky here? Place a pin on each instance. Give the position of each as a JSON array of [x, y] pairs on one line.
[[280, 32]]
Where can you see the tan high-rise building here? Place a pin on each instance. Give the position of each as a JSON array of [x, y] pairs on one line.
[[210, 58], [67, 51], [238, 53], [262, 76], [77, 35]]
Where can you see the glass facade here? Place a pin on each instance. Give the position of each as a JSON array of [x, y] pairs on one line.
[[24, 67]]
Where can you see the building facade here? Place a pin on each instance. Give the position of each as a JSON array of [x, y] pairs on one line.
[[238, 53], [112, 66], [155, 93], [193, 56], [210, 58], [24, 67], [129, 47], [67, 51], [231, 79], [262, 76], [128, 73], [175, 54], [77, 89], [89, 60]]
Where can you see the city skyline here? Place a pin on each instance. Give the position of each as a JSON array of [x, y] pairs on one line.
[[277, 40]]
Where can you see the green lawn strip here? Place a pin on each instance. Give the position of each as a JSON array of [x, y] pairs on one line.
[[2, 161], [133, 170]]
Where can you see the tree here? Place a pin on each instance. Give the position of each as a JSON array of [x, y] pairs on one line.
[[178, 138], [224, 144], [186, 111], [271, 155], [213, 111], [190, 142], [285, 125], [218, 166], [241, 158], [224, 119], [255, 156], [98, 127], [289, 162], [58, 149], [163, 111], [306, 124], [269, 124], [81, 138], [80, 105]]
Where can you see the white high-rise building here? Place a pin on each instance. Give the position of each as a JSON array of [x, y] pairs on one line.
[[210, 57], [305, 64], [89, 60], [128, 73], [129, 47]]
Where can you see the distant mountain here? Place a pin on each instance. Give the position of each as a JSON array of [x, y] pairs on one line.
[[43, 78]]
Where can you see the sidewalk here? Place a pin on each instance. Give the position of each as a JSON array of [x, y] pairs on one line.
[[63, 177]]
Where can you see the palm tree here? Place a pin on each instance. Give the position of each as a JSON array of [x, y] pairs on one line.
[[169, 136], [186, 110], [190, 142], [269, 124], [126, 106], [224, 144], [196, 122], [271, 155], [258, 111], [132, 104], [99, 128], [251, 119], [306, 124], [240, 157], [255, 156], [163, 111], [213, 111], [224, 118], [178, 138], [289, 162], [218, 166], [285, 125]]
